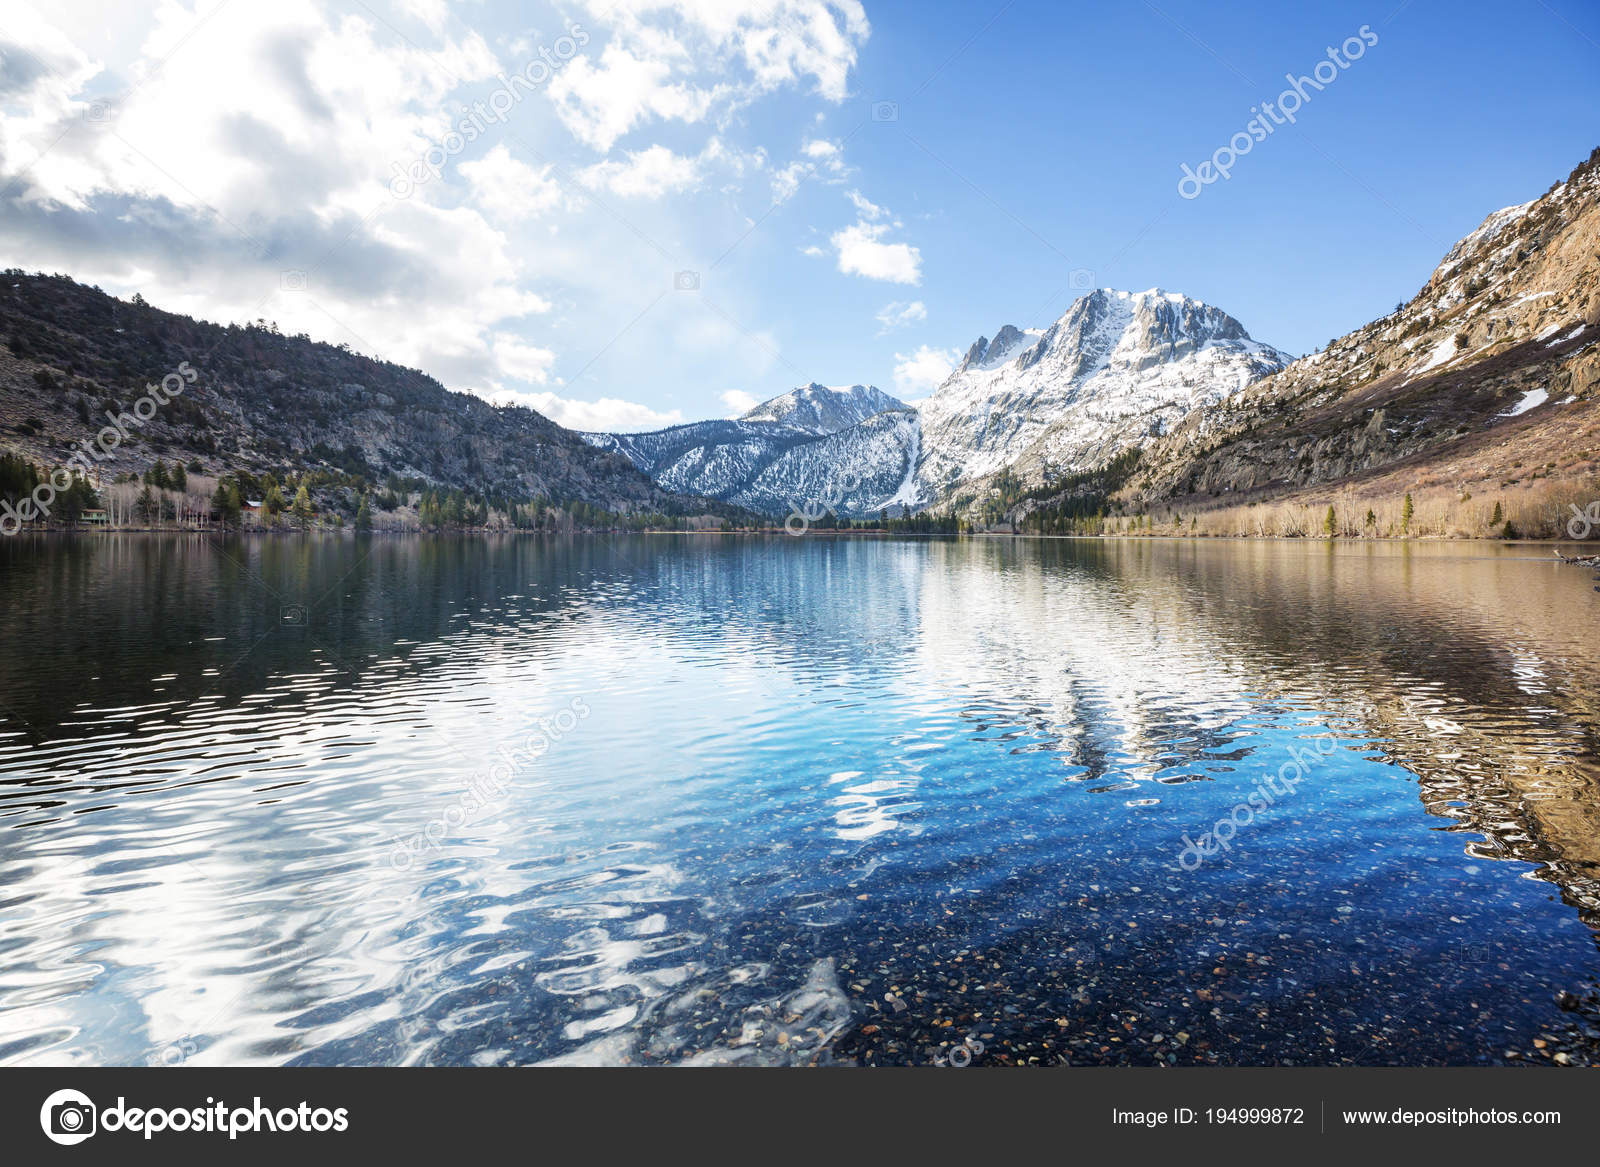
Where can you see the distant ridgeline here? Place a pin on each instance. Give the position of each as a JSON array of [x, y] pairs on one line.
[[1471, 410], [173, 420]]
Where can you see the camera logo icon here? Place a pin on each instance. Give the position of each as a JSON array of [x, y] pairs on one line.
[[293, 281], [885, 111], [174, 1053], [292, 615], [686, 281], [68, 1117]]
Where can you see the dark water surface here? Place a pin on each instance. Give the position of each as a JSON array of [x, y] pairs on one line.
[[776, 800]]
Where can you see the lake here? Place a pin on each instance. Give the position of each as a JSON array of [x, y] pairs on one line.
[[716, 799]]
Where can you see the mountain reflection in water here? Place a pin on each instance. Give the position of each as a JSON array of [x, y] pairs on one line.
[[786, 801]]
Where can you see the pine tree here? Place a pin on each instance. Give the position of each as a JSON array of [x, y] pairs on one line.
[[225, 501], [76, 499], [1498, 517], [18, 477], [302, 505], [364, 514], [1331, 523], [1406, 511]]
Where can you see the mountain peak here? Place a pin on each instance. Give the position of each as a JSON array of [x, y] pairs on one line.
[[1007, 343], [824, 409]]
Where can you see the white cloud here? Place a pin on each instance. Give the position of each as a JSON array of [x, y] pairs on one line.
[[509, 189], [864, 206], [677, 60], [920, 373], [900, 315], [42, 69], [524, 362], [264, 145], [601, 102], [787, 180], [431, 12], [248, 140], [647, 174], [862, 252], [607, 415], [821, 160], [813, 251], [739, 402]]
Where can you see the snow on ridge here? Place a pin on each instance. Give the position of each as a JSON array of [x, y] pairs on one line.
[[823, 408], [1486, 231]]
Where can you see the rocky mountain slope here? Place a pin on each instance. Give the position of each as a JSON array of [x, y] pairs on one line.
[[264, 402], [1486, 381]]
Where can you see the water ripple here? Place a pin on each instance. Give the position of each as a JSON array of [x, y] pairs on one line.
[[726, 801]]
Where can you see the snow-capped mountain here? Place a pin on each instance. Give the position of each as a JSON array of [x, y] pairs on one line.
[[822, 409], [856, 472], [1118, 369], [812, 446]]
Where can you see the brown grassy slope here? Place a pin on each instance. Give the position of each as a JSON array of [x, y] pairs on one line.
[[1417, 401]]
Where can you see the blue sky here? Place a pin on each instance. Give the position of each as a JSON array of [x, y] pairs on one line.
[[696, 204]]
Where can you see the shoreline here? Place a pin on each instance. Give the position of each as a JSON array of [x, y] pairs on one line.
[[1592, 546]]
